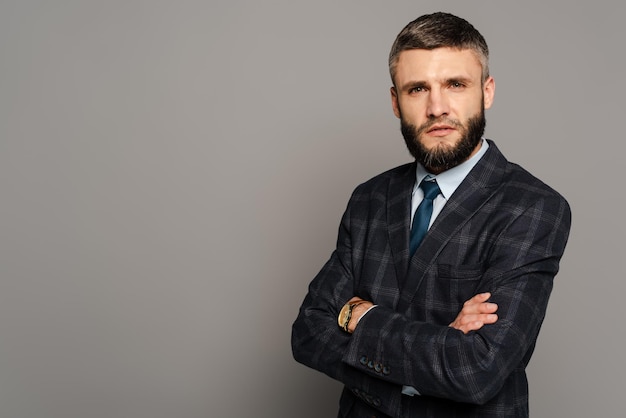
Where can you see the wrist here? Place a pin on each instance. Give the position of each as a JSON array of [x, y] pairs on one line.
[[350, 314], [357, 313]]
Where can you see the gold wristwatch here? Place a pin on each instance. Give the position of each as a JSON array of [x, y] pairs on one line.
[[346, 313]]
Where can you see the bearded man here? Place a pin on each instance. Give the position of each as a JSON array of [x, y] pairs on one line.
[[431, 303]]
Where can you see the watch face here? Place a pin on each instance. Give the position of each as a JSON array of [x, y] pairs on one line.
[[343, 316]]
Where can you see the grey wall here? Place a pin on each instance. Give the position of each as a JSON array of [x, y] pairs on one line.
[[172, 175]]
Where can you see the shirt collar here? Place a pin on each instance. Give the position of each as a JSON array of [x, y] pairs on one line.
[[449, 180]]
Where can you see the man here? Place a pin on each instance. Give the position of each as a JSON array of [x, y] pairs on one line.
[[431, 304]]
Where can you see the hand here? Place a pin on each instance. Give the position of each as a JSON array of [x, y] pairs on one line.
[[357, 312], [476, 312]]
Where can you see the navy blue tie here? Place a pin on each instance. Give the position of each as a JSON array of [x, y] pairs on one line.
[[421, 220]]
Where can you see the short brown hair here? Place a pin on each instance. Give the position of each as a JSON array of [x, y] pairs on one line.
[[440, 30]]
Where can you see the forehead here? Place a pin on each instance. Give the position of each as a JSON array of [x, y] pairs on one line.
[[437, 64]]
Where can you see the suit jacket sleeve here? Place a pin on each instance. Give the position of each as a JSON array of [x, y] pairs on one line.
[[317, 340]]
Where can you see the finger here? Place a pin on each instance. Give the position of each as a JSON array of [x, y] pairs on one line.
[[481, 297], [480, 308], [477, 324], [487, 307], [477, 299], [489, 318], [482, 318]]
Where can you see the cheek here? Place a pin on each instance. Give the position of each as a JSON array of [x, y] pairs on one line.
[[412, 112], [470, 107]]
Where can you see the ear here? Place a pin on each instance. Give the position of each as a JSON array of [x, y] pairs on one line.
[[489, 90], [394, 102]]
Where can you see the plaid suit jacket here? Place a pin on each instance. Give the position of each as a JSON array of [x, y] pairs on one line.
[[502, 231]]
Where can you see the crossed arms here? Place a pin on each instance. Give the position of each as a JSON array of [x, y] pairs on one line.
[[476, 312]]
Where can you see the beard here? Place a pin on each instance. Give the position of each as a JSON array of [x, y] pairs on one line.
[[443, 157]]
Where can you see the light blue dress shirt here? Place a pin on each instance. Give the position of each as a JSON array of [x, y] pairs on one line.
[[448, 182]]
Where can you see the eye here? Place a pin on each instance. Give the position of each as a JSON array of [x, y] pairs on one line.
[[416, 89], [456, 84]]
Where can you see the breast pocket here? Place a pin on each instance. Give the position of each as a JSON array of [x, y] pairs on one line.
[[452, 285]]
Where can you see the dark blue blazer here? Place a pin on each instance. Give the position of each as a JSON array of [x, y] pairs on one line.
[[502, 231]]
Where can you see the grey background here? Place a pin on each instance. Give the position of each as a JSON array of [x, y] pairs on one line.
[[173, 173]]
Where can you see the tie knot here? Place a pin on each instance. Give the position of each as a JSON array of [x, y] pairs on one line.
[[430, 188]]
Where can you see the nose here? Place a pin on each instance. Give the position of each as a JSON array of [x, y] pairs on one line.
[[437, 104]]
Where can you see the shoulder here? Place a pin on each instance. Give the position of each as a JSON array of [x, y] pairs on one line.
[[494, 167], [523, 189], [401, 175], [392, 187], [520, 180]]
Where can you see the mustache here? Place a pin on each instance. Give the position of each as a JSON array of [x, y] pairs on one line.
[[441, 120]]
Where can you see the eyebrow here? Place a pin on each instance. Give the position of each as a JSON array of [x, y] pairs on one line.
[[415, 83]]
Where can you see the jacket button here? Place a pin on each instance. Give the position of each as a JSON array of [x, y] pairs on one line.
[[363, 360], [370, 364], [378, 367], [386, 370]]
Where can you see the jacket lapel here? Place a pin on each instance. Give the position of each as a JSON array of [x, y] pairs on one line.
[[398, 218], [470, 196]]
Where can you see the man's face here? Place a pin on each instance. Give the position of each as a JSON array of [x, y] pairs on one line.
[[440, 100]]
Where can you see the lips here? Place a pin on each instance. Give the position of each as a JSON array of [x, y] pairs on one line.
[[440, 130], [436, 128]]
